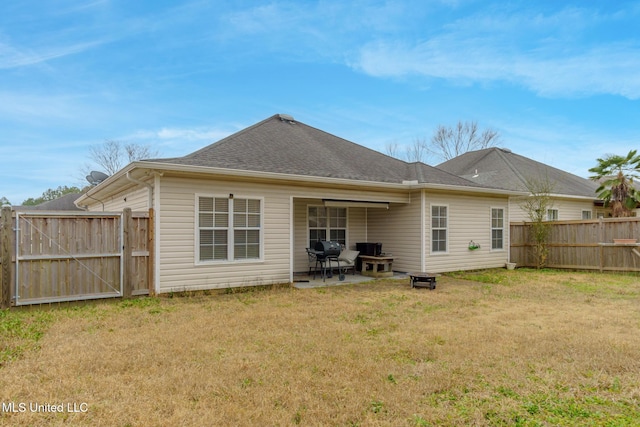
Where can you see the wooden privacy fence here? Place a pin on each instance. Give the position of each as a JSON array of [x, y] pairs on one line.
[[587, 244], [58, 256]]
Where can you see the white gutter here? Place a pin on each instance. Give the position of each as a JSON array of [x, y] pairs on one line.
[[320, 180], [315, 180]]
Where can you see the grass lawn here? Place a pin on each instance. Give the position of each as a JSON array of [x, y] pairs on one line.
[[495, 348]]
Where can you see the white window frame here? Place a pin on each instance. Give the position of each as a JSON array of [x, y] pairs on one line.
[[587, 211], [497, 228], [230, 229], [432, 228], [328, 227], [550, 215]]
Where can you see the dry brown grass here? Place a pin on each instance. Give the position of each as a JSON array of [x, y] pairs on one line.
[[507, 348]]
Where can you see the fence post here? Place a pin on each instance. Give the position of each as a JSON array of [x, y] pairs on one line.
[[5, 251], [127, 254], [151, 239]]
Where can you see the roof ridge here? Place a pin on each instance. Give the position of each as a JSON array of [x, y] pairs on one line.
[[511, 166], [229, 138], [419, 168], [353, 143]]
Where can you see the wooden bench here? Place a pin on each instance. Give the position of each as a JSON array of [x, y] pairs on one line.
[[423, 280]]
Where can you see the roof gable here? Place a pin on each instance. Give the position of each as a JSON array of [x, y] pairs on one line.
[[504, 169]]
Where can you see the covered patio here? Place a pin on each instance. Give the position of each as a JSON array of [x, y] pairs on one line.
[[351, 222]]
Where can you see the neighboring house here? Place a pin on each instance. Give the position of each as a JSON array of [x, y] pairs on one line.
[[574, 198], [62, 203], [241, 212]]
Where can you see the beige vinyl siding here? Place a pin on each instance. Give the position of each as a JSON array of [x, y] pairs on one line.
[[133, 197], [179, 269], [398, 229], [568, 209], [468, 218]]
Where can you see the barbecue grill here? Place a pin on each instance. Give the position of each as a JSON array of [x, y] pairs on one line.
[[326, 252]]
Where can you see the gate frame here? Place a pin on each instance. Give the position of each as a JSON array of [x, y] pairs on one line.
[[120, 254]]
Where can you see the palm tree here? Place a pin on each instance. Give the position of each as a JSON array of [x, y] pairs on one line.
[[615, 175]]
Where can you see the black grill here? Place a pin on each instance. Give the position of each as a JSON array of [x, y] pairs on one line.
[[326, 249], [325, 253]]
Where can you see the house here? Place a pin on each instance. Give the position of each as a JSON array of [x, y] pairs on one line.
[[573, 197], [62, 203], [241, 212]]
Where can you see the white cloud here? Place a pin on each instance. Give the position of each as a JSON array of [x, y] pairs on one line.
[[171, 134], [12, 57], [548, 54]]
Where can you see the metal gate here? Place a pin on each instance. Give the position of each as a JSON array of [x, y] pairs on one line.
[[64, 257]]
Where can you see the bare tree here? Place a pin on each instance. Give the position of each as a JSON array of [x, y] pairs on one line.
[[392, 149], [449, 142], [112, 155], [536, 205], [418, 151]]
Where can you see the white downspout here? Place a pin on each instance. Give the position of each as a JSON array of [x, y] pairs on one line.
[[156, 226], [146, 184], [423, 231]]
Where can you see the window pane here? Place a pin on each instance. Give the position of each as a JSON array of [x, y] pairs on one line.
[[253, 206], [206, 253], [222, 205], [253, 220], [240, 236], [206, 245], [206, 237], [439, 241], [205, 204], [497, 218], [220, 237], [240, 251], [496, 239], [315, 236], [253, 236], [239, 220], [338, 236], [253, 251], [220, 252], [240, 205], [206, 220], [220, 244], [222, 220]]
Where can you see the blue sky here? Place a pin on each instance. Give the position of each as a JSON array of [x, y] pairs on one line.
[[559, 80]]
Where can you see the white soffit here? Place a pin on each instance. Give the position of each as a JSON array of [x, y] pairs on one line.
[[354, 204]]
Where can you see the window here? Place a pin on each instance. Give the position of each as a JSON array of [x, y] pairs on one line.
[[213, 223], [216, 228], [552, 214], [438, 228], [327, 222], [497, 228], [246, 228], [586, 214]]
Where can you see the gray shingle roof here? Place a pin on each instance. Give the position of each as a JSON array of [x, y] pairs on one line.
[[62, 203], [505, 169], [281, 145]]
